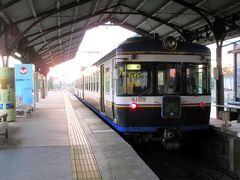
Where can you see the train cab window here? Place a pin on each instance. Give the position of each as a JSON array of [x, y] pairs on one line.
[[121, 81], [134, 79], [197, 79], [169, 78]]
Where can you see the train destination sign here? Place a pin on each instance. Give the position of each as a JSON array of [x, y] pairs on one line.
[[133, 66]]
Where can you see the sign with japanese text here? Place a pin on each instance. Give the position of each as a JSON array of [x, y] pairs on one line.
[[24, 79]]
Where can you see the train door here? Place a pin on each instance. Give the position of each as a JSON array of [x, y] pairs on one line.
[[113, 79], [102, 99]]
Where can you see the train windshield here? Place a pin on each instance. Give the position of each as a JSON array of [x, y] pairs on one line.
[[134, 79], [154, 79], [197, 78], [169, 78]]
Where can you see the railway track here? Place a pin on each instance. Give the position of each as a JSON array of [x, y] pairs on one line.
[[180, 165], [185, 164]]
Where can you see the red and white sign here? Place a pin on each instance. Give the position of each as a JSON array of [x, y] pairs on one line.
[[23, 70]]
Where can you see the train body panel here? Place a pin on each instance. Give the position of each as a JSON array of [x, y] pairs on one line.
[[148, 112], [142, 86], [151, 116]]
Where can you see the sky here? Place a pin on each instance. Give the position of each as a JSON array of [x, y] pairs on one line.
[[96, 43], [227, 58], [12, 61]]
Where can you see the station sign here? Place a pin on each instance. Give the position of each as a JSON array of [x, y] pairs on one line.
[[24, 80]]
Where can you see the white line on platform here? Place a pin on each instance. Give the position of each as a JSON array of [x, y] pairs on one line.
[[109, 130]]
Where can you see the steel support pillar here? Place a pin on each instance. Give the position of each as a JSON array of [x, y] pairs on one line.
[[219, 80], [36, 87], [46, 86], [42, 87]]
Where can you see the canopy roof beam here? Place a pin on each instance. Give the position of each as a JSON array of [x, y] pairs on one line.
[[44, 51], [8, 4], [68, 23], [64, 35], [173, 26]]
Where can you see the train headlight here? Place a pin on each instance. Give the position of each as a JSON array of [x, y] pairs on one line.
[[170, 43], [133, 106], [202, 104]]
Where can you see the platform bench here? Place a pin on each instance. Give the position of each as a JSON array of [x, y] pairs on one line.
[[23, 110], [4, 124]]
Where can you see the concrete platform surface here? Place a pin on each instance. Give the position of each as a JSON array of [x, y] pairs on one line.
[[232, 129], [115, 157], [38, 146], [62, 139]]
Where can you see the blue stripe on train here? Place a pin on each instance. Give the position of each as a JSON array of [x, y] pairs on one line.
[[138, 129]]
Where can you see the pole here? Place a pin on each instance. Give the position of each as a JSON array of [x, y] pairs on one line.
[[219, 81]]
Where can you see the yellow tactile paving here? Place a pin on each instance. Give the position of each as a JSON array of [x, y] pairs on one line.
[[84, 165]]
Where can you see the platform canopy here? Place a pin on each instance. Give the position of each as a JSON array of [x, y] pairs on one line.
[[49, 32]]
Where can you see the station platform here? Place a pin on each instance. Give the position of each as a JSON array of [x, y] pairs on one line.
[[223, 144], [64, 140]]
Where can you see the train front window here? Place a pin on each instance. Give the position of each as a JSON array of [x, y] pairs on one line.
[[169, 78], [134, 79], [197, 79]]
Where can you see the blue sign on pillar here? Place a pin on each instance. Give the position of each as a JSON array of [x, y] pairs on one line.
[[24, 78]]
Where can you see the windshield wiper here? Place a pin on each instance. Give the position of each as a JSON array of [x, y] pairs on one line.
[[149, 90]]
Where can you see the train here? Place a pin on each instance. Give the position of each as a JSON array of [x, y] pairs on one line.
[[150, 86]]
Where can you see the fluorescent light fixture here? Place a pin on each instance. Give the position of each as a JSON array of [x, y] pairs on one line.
[[17, 54]]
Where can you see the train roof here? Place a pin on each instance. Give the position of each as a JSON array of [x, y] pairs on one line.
[[106, 57], [148, 45]]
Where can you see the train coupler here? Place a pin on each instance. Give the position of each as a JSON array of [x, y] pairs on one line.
[[172, 139]]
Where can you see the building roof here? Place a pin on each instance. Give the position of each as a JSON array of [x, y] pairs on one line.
[[54, 29]]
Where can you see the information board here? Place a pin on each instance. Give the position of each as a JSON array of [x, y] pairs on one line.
[[24, 80]]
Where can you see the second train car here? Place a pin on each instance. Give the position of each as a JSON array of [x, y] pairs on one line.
[[148, 86]]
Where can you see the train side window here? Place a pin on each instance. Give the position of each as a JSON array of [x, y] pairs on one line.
[[95, 82], [92, 82], [98, 78], [89, 82], [107, 80], [85, 83]]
